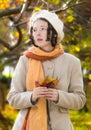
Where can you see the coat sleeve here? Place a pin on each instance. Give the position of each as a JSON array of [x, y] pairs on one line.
[[18, 97], [75, 97]]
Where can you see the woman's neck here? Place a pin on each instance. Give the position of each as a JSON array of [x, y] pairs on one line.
[[47, 49]]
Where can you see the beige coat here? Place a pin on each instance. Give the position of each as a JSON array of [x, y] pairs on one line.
[[71, 95]]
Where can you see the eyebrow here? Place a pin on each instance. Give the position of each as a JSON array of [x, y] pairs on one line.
[[42, 26]]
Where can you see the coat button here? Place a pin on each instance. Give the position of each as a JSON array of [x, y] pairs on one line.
[[50, 67]]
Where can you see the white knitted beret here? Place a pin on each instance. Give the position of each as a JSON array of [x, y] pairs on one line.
[[52, 18]]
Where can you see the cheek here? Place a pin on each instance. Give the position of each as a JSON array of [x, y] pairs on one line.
[[45, 35], [34, 36]]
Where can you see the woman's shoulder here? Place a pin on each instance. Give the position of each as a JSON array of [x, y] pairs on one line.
[[71, 57], [24, 58], [23, 61], [70, 60]]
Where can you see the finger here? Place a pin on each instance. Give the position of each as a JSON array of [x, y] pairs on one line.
[[52, 95], [40, 92]]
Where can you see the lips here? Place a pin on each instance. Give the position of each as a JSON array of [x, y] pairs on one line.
[[39, 39]]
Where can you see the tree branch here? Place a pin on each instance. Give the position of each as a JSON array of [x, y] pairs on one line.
[[67, 7], [6, 44], [8, 12], [16, 10]]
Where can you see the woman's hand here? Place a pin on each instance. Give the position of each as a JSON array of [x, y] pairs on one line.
[[47, 93], [39, 92], [52, 95]]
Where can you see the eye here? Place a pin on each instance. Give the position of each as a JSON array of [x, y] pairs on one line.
[[34, 30], [42, 28]]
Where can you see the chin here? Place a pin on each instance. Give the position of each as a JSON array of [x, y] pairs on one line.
[[40, 45]]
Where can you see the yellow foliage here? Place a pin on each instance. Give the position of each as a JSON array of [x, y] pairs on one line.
[[54, 1], [77, 49], [20, 1], [89, 76], [15, 34], [23, 31], [70, 18], [4, 4], [9, 112], [69, 11], [72, 27], [79, 27], [76, 32], [36, 9]]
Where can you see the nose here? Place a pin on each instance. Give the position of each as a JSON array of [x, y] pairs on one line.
[[38, 32]]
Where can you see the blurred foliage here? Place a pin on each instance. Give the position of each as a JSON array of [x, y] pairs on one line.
[[5, 78], [81, 120], [54, 1], [4, 4], [7, 118]]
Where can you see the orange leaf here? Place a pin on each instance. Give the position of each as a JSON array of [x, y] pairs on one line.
[[48, 82]]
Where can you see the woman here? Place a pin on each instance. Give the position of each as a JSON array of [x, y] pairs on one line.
[[44, 108]]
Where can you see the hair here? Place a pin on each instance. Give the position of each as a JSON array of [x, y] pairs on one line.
[[51, 34]]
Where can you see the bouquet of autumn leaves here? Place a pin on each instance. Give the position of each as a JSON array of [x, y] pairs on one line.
[[47, 82]]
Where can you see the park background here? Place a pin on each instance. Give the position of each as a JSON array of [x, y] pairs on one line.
[[14, 40]]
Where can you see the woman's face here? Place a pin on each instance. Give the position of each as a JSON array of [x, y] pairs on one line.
[[40, 28]]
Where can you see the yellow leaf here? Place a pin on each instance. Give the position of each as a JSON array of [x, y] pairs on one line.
[[77, 49], [70, 18]]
